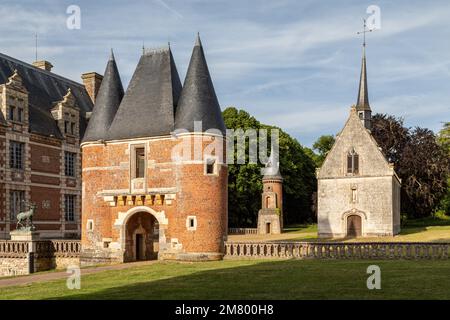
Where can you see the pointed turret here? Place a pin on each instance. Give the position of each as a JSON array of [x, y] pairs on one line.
[[362, 105], [363, 94], [148, 107], [198, 100], [107, 102]]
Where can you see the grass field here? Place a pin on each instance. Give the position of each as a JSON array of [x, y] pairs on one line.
[[252, 279], [428, 230]]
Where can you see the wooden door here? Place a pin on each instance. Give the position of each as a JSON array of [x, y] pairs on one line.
[[354, 226], [139, 246]]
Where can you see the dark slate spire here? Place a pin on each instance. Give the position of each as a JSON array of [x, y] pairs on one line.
[[108, 99], [363, 95], [148, 107], [198, 100]]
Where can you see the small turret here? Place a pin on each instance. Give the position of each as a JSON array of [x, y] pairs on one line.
[[198, 100], [107, 102]]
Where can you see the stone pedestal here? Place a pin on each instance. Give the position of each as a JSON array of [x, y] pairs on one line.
[[20, 235]]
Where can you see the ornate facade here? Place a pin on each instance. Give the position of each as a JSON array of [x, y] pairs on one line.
[[42, 118]]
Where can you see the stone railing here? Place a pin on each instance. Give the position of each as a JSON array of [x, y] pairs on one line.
[[58, 248], [242, 231], [13, 248], [337, 250]]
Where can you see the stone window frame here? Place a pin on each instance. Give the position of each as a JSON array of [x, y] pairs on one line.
[[70, 162], [16, 203], [90, 225], [355, 159], [133, 162], [17, 155], [215, 166], [191, 223], [70, 207]]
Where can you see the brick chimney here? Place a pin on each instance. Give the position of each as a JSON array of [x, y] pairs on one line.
[[43, 64], [92, 82]]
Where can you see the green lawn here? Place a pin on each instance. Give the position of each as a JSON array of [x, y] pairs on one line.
[[253, 279]]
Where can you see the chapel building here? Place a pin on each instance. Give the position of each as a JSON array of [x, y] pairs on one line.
[[358, 189]]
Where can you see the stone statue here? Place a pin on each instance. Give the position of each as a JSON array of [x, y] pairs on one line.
[[25, 219]]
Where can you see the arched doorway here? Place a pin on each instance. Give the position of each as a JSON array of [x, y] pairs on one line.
[[354, 226], [141, 237]]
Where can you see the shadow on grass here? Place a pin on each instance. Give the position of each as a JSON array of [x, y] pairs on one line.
[[286, 279]]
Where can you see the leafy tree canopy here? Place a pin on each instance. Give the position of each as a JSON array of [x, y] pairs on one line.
[[323, 145], [244, 180], [421, 163]]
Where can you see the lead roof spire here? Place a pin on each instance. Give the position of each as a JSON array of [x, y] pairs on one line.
[[363, 93], [107, 102]]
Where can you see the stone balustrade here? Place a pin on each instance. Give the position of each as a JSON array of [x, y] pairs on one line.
[[58, 248], [13, 248], [24, 257], [242, 231], [337, 250]]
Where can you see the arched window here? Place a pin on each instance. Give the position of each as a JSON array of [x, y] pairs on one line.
[[352, 162]]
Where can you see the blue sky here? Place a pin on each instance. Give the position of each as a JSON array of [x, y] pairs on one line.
[[294, 64]]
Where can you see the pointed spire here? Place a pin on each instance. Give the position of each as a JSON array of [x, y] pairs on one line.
[[198, 100], [198, 42], [107, 102], [111, 56], [363, 94]]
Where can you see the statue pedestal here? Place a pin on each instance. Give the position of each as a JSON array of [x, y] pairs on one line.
[[22, 235]]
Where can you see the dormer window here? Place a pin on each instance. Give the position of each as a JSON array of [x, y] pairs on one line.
[[20, 114], [352, 162], [11, 112]]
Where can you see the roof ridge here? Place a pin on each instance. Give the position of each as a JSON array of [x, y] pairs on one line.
[[150, 51], [52, 74]]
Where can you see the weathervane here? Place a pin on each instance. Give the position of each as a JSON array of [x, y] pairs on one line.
[[364, 32]]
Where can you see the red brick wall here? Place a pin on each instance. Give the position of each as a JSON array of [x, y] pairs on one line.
[[107, 167], [41, 194], [39, 155]]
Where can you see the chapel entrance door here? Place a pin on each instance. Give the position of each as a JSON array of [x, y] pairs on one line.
[[354, 228]]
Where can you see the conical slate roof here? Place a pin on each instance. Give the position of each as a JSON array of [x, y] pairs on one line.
[[148, 107], [363, 94], [198, 100], [108, 100]]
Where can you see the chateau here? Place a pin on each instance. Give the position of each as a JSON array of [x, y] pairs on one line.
[[42, 118], [141, 202], [358, 190]]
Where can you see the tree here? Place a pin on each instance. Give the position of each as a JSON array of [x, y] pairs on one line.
[[323, 145], [244, 180], [444, 142], [418, 159]]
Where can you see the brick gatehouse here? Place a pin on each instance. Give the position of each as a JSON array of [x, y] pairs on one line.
[[138, 202]]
